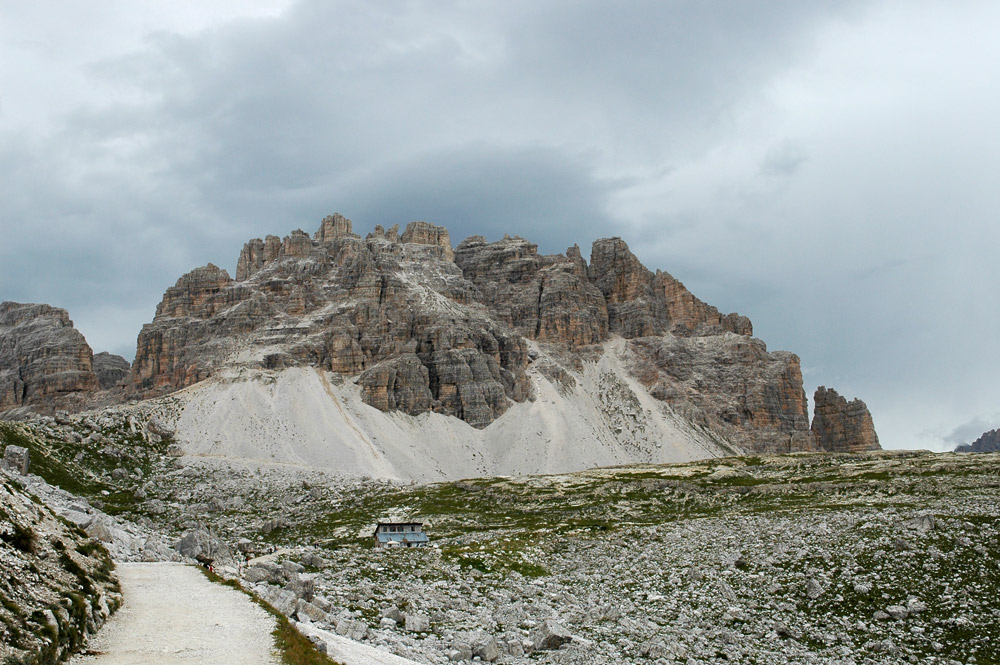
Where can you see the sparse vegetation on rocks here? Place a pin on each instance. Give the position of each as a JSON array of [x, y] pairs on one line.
[[56, 585], [875, 557]]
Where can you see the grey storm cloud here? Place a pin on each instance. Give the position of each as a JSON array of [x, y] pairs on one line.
[[826, 168]]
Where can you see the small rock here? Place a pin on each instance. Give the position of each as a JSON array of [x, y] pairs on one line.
[[784, 630], [897, 612], [922, 523], [417, 623], [902, 545], [394, 614]]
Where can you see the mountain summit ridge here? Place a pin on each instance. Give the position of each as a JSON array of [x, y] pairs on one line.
[[416, 326], [424, 327]]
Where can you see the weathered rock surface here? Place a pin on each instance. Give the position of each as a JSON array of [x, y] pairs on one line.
[[57, 585], [16, 459], [641, 304], [842, 426], [166, 358], [549, 635], [547, 297], [731, 384], [989, 442], [111, 370], [394, 310], [42, 356]]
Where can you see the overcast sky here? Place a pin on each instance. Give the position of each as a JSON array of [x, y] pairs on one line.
[[831, 170]]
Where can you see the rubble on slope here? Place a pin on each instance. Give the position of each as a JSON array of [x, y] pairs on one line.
[[57, 586], [859, 558]]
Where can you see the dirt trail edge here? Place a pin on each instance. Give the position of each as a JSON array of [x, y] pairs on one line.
[[173, 614]]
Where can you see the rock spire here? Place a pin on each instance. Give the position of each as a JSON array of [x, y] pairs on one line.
[[842, 426]]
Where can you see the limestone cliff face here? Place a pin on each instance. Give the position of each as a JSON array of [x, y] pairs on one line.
[[641, 304], [548, 298], [732, 385], [424, 327], [842, 426], [111, 370], [392, 309], [42, 356], [171, 357]]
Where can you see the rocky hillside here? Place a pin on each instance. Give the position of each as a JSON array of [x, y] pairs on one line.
[[56, 584], [422, 328], [871, 558], [989, 442], [46, 363]]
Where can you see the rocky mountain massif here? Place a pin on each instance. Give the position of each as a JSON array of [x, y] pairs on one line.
[[45, 362], [989, 442], [515, 349], [427, 328]]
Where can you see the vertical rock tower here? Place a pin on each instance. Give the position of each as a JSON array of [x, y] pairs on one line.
[[842, 426]]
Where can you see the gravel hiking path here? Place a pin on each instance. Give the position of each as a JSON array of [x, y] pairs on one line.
[[173, 614]]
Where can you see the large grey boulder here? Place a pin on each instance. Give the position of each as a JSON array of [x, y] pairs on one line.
[[303, 586], [305, 609], [203, 546], [549, 635], [158, 427], [460, 651], [417, 623], [16, 459], [255, 574], [485, 646], [352, 628]]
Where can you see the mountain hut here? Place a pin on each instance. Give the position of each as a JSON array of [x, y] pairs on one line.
[[400, 534]]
